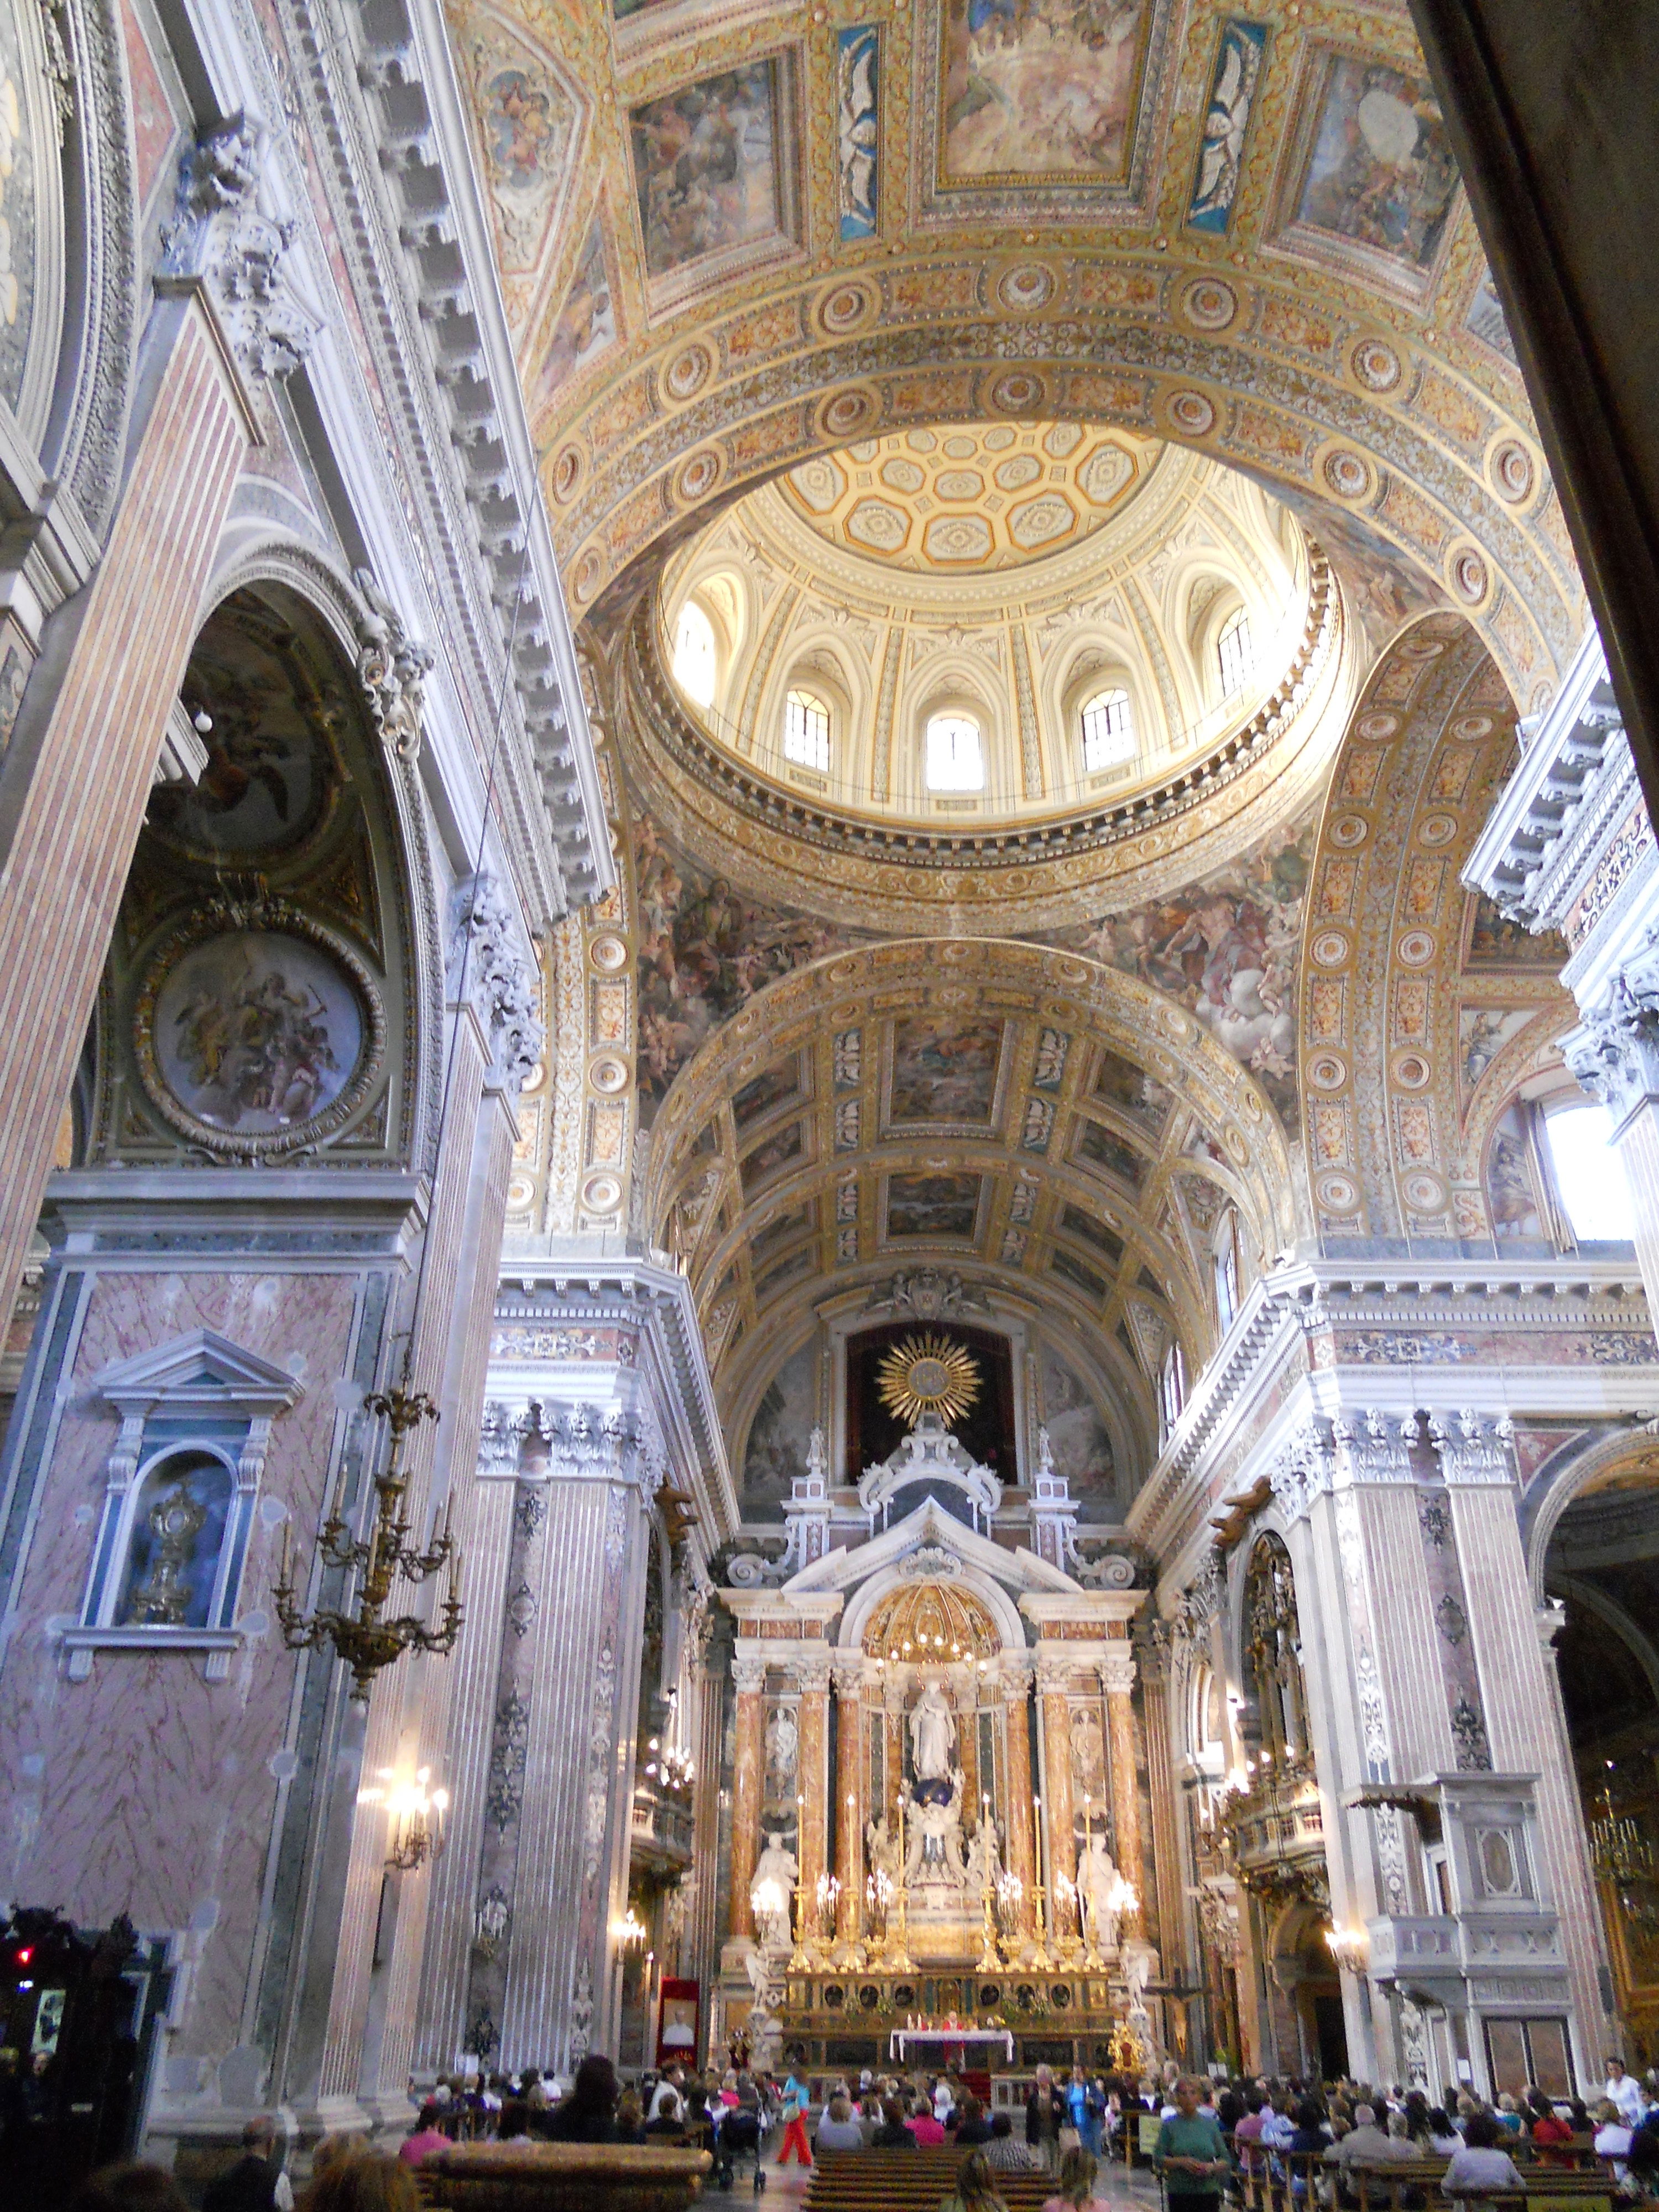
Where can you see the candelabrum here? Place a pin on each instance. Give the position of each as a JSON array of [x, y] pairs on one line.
[[1068, 1916], [798, 1958], [1040, 1958], [1010, 1892], [368, 1640], [989, 1961], [827, 1898]]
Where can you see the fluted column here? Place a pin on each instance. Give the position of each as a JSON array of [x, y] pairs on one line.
[[849, 1798], [1161, 1787], [812, 1782], [748, 1680], [1054, 1684], [1117, 1675], [1019, 1854]]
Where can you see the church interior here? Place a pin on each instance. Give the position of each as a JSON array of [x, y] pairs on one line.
[[829, 1072]]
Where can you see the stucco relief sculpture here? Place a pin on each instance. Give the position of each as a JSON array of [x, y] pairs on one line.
[[777, 1870]]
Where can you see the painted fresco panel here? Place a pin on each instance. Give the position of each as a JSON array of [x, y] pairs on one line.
[[1379, 173], [933, 1205], [1077, 1434], [945, 1071], [587, 323], [1029, 94], [527, 126], [778, 1436], [706, 166], [858, 127]]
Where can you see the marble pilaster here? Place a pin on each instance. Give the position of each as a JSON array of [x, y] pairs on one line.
[[1058, 1818], [748, 1775], [1117, 1675], [849, 1799]]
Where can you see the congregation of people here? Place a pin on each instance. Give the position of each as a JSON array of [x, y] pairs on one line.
[[1211, 2135]]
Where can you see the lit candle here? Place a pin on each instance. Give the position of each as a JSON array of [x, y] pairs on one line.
[[1036, 1839]]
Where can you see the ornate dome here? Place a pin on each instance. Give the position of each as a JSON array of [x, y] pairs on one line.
[[931, 1620]]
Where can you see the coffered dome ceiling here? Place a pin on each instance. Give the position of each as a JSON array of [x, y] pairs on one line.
[[900, 579]]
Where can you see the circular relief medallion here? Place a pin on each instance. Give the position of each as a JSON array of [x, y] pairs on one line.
[[1328, 1071], [1022, 289], [1378, 725], [1411, 1071], [1418, 647], [566, 474], [520, 1194], [844, 414], [1349, 830], [1416, 948], [843, 306], [601, 1194], [1436, 829], [608, 954], [687, 374], [1192, 414], [1338, 1193], [1209, 305], [1019, 392], [1375, 365], [1513, 474], [1330, 948], [258, 1039], [586, 582], [1426, 1192], [1471, 727], [609, 1074], [1348, 474], [1468, 575], [698, 476]]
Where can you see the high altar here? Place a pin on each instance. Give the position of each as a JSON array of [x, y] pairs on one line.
[[937, 1807]]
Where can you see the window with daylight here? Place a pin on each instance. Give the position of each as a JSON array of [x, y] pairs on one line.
[[1107, 734], [696, 669], [956, 759], [1171, 1388], [1226, 1275], [1234, 653], [1589, 1176], [806, 730]]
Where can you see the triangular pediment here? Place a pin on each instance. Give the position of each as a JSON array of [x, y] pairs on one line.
[[930, 1527], [201, 1369]]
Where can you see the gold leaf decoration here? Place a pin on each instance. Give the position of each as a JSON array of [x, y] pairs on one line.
[[928, 1374]]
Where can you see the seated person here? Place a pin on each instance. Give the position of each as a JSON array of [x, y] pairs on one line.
[[838, 2130], [1481, 2168], [972, 2126], [892, 2134], [588, 2114], [1007, 2152]]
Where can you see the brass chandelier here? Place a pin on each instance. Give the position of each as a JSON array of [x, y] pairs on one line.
[[928, 1374], [370, 1638]]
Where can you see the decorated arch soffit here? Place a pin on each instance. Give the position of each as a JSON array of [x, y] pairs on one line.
[[1423, 1011], [781, 230], [1021, 1118]]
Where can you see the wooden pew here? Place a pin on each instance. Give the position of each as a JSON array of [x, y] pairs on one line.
[[1396, 2187], [908, 2181]]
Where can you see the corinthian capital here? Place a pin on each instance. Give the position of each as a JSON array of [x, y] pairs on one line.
[[748, 1673], [1054, 1675], [1615, 1054], [220, 238], [1117, 1672]]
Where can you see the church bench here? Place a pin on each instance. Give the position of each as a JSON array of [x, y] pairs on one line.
[[908, 2181], [1548, 2189], [525, 2176]]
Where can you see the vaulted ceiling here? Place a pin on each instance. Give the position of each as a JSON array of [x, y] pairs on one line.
[[733, 235]]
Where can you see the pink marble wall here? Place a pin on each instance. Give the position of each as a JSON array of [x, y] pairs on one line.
[[148, 1789]]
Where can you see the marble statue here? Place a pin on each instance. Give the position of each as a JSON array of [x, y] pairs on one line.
[[782, 1742], [933, 1735], [883, 1847], [984, 1858], [776, 1872], [935, 1852], [1098, 1880], [1139, 1960]]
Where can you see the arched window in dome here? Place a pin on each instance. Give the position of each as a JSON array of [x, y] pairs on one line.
[[1235, 654], [1108, 735], [806, 730], [955, 755], [695, 659]]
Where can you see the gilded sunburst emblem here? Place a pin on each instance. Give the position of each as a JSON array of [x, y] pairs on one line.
[[928, 1374]]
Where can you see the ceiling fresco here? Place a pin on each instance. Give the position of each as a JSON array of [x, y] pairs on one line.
[[887, 329], [732, 236]]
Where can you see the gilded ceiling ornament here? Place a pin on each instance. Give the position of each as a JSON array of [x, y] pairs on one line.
[[928, 1374]]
